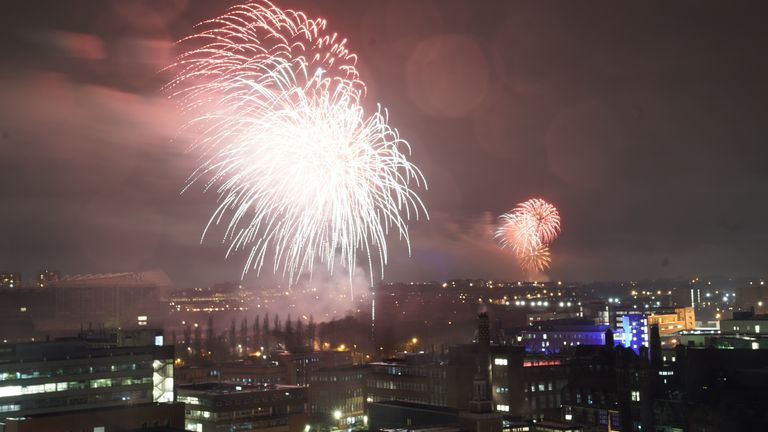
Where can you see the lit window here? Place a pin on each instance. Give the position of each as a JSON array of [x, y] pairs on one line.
[[635, 396], [504, 408], [500, 361]]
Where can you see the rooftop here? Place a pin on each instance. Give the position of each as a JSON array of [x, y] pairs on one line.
[[224, 388]]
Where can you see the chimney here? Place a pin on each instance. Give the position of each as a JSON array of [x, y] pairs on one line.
[[655, 346], [609, 342]]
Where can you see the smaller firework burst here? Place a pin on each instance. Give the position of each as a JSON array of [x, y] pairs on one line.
[[528, 229]]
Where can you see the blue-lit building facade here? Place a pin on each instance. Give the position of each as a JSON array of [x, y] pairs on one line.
[[551, 337], [635, 334]]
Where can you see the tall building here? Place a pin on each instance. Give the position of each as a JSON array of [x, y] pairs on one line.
[[93, 371], [481, 416], [526, 385], [214, 407]]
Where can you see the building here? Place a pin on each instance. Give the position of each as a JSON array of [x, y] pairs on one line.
[[613, 387], [300, 365], [10, 280], [715, 390], [554, 426], [635, 328], [22, 310], [482, 415], [161, 417], [213, 407], [90, 372], [432, 379], [745, 323], [550, 337], [669, 319], [387, 415], [479, 417], [44, 277], [249, 371], [114, 299], [672, 320], [337, 395]]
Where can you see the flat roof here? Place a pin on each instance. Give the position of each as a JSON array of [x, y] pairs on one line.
[[417, 406], [227, 388]]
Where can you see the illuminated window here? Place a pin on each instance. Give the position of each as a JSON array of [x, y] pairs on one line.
[[500, 361], [9, 408], [635, 396], [504, 408]]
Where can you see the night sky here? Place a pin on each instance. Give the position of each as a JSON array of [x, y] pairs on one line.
[[645, 123]]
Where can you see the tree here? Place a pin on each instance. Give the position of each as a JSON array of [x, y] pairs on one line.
[[265, 332], [311, 331], [232, 338], [197, 344], [300, 341], [256, 334], [244, 333], [288, 340], [210, 339]]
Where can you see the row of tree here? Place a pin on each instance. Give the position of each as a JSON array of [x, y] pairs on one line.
[[262, 335]]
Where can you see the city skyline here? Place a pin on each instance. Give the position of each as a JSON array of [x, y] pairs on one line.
[[644, 130]]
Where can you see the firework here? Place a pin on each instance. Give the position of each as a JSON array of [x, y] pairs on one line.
[[545, 217], [302, 173], [536, 259], [528, 229]]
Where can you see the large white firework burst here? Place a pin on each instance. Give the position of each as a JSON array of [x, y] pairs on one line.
[[302, 172]]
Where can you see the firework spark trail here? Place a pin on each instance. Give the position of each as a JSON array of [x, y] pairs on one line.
[[528, 229], [302, 173]]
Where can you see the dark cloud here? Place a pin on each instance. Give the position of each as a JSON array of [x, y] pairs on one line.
[[643, 122]]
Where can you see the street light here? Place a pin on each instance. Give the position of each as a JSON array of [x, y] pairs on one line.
[[337, 415]]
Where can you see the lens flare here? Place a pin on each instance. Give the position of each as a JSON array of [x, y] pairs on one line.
[[302, 173], [528, 229]]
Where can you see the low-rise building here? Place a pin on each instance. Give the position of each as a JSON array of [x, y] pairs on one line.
[[81, 376], [337, 395], [213, 407]]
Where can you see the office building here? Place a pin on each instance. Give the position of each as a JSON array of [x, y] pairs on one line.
[[213, 407], [433, 379], [300, 365], [96, 370], [337, 395], [161, 417]]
